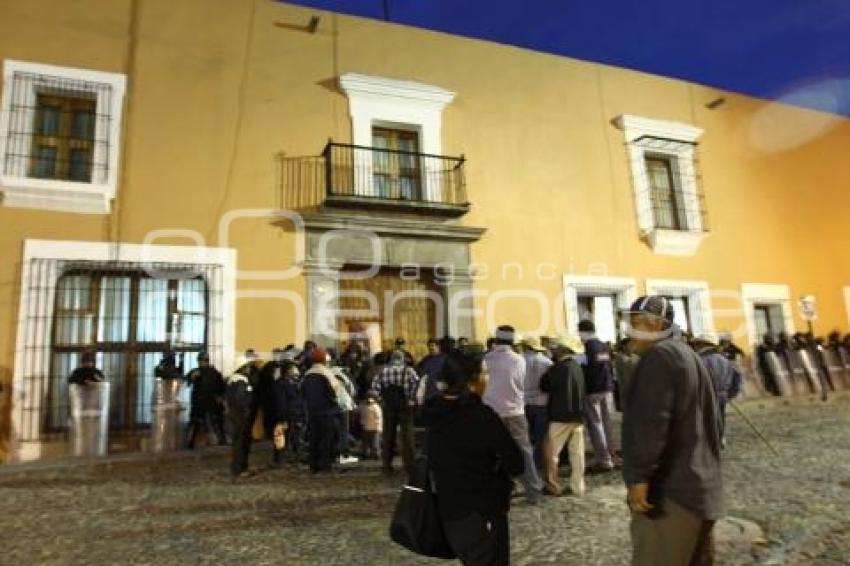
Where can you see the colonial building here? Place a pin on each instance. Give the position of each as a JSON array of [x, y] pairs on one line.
[[217, 175]]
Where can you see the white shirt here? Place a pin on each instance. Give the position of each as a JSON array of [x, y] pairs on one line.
[[536, 365], [504, 392]]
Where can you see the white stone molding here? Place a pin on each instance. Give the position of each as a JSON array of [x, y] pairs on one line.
[[18, 190]]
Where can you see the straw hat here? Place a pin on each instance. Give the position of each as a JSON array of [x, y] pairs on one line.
[[532, 343], [568, 341]]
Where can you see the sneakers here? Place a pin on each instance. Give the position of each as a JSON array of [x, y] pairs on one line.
[[343, 460]]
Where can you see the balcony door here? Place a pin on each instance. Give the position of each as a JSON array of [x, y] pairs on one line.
[[395, 164]]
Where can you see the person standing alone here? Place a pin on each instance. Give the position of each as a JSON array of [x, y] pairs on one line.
[[671, 445]]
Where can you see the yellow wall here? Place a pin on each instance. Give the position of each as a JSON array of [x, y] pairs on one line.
[[218, 91]]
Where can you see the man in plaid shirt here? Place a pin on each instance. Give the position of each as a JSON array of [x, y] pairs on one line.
[[396, 387]]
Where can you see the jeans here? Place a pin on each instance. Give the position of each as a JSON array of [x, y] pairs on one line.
[[538, 427], [597, 410], [518, 429]]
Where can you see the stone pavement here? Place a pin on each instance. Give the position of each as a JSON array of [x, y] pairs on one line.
[[794, 509]]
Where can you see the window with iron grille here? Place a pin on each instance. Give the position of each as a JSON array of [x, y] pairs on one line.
[[59, 136], [129, 320], [665, 192], [663, 159]]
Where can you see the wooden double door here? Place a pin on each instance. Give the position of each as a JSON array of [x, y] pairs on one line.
[[389, 305]]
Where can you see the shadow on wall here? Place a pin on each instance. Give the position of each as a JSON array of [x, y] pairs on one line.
[[5, 411]]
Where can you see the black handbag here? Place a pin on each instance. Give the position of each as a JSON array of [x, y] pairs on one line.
[[416, 523]]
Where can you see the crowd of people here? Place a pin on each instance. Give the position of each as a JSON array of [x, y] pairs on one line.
[[517, 407]]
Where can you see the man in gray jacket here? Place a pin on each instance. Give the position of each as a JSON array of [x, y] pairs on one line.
[[671, 444]]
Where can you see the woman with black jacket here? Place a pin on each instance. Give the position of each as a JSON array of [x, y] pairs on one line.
[[472, 458]]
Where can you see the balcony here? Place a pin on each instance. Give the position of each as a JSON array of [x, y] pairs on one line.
[[382, 179]]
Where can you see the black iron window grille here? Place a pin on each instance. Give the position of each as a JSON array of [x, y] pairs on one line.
[[129, 315], [59, 128], [675, 198]]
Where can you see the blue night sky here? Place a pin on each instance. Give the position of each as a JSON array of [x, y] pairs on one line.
[[794, 50]]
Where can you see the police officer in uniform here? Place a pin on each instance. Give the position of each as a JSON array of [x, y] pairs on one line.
[[242, 407], [87, 372], [274, 398], [207, 392]]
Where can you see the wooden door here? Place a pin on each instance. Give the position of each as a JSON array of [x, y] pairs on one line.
[[403, 307]]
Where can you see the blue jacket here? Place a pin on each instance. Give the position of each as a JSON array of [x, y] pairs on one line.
[[319, 396], [724, 374], [598, 375]]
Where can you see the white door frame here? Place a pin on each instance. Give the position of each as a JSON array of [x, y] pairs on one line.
[[699, 300], [776, 294], [623, 288]]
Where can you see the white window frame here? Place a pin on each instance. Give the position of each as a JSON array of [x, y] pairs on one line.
[[664, 241], [774, 294], [50, 194], [407, 105], [623, 288], [698, 297], [31, 338]]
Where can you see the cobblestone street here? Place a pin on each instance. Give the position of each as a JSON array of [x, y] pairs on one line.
[[186, 509]]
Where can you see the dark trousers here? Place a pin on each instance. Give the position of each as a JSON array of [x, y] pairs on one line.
[[323, 441], [480, 540], [295, 434], [721, 405], [242, 424], [538, 428], [371, 444], [201, 419], [344, 434], [393, 419], [677, 538]]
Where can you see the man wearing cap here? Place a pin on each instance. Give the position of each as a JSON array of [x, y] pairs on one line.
[[724, 374], [536, 401], [564, 382], [504, 395], [671, 444], [396, 387], [599, 384], [207, 391]]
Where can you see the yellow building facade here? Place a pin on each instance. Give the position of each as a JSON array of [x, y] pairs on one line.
[[168, 183]]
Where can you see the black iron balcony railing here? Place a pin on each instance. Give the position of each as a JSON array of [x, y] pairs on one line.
[[359, 176]]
